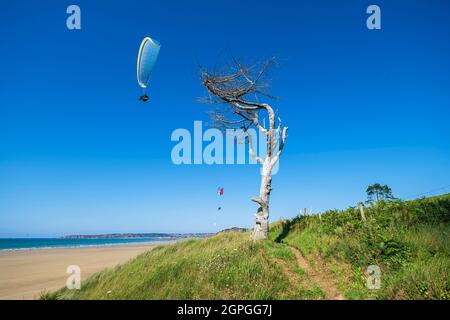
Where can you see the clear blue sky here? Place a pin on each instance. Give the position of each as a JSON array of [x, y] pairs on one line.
[[80, 154]]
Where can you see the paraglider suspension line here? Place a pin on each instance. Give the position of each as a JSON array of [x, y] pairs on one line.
[[144, 97]]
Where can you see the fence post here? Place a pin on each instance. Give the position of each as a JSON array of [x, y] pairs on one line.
[[361, 210]]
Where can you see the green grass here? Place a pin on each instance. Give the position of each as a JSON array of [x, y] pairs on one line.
[[226, 266], [409, 241]]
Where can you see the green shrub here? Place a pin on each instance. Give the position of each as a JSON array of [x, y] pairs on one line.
[[408, 240]]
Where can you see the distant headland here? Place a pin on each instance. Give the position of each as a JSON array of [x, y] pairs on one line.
[[168, 236]]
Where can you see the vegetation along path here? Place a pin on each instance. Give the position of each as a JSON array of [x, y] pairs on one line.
[[325, 283], [307, 257]]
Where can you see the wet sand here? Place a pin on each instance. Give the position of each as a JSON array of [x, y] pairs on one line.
[[26, 274]]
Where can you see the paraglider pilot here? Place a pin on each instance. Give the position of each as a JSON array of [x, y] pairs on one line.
[[143, 98]]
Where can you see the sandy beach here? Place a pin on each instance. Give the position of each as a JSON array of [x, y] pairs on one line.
[[25, 274]]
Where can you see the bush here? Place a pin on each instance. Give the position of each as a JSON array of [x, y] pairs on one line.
[[401, 237]]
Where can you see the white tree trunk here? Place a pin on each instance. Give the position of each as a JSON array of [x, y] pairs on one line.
[[261, 228]]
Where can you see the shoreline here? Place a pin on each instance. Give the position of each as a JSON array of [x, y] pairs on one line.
[[87, 246], [26, 273]]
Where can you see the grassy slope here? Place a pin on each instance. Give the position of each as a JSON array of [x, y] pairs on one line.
[[408, 240], [226, 266]]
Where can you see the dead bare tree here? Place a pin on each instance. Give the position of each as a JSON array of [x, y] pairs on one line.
[[237, 91]]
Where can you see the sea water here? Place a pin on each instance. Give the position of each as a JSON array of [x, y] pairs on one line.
[[46, 243]]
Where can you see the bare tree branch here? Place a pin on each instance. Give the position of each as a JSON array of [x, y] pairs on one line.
[[251, 151], [281, 147]]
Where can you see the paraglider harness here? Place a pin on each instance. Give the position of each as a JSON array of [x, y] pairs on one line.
[[143, 98]]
